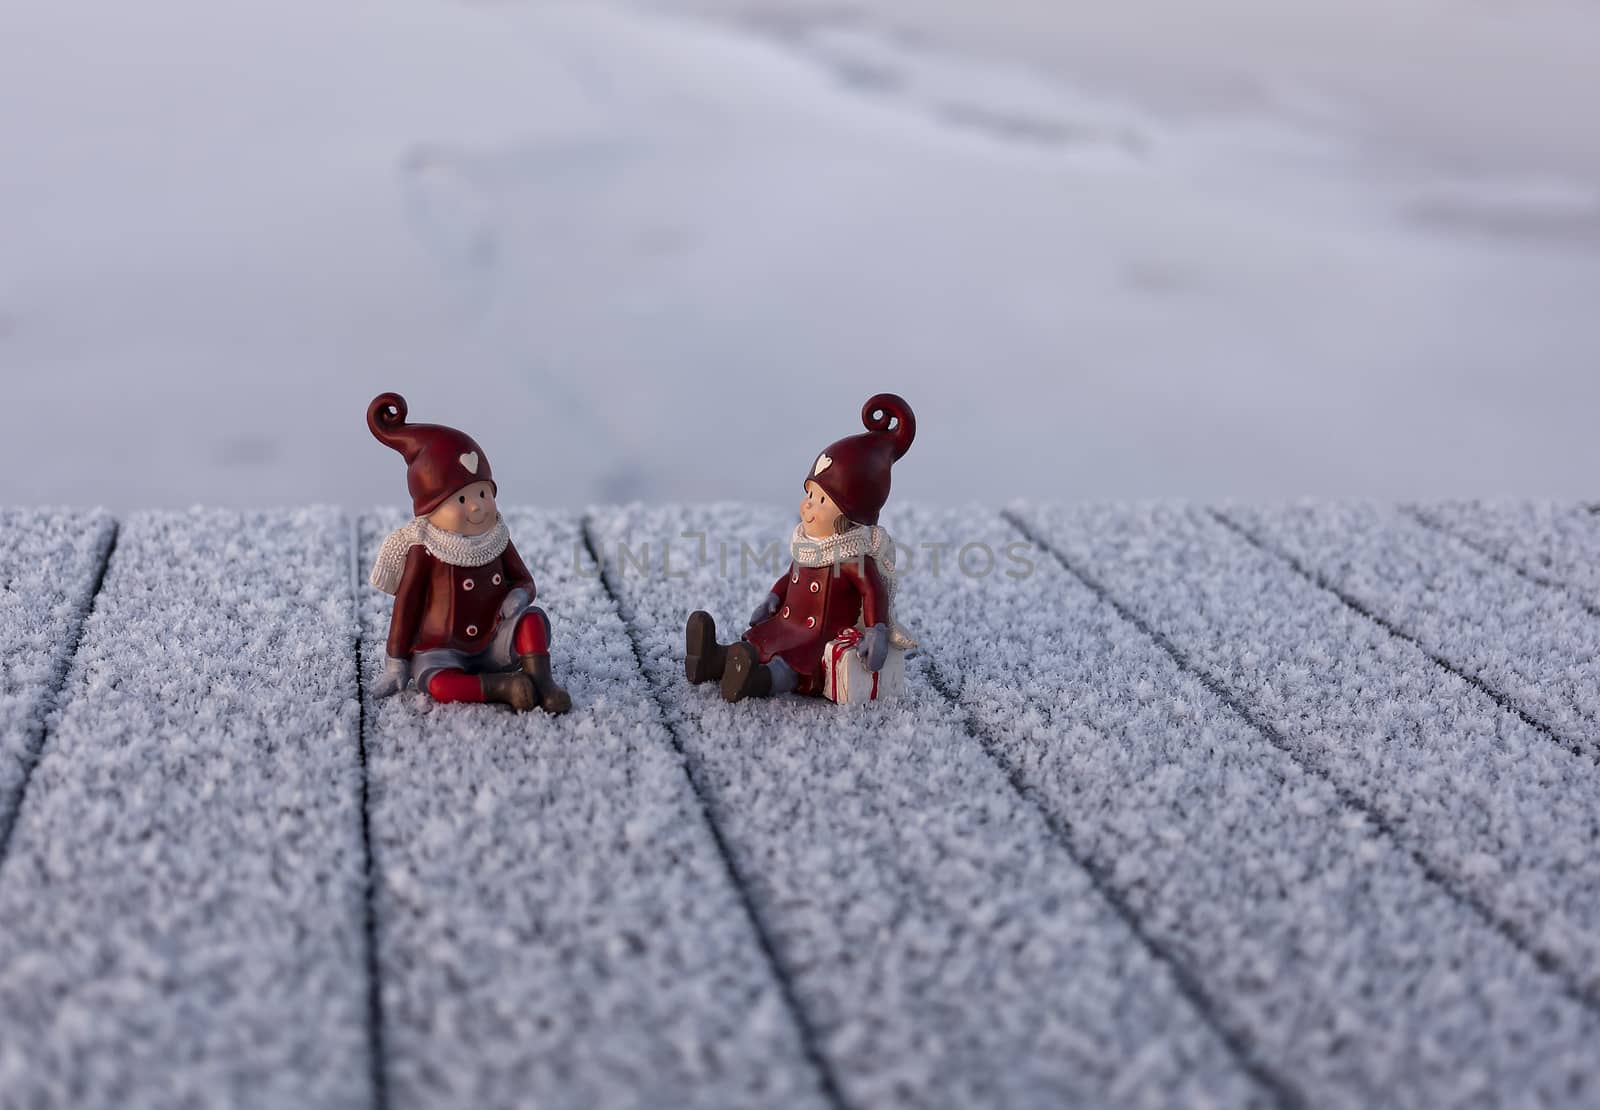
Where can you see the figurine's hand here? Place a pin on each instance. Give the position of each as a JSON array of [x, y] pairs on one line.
[[768, 606], [874, 647], [515, 602], [396, 673]]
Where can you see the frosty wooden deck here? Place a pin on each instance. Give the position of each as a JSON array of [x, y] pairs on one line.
[[1279, 808]]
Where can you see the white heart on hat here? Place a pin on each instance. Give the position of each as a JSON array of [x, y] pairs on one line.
[[823, 462], [470, 461]]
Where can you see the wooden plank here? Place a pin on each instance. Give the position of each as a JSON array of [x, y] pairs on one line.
[[182, 903], [555, 924], [1303, 924], [1529, 644], [1502, 817], [50, 565], [941, 940]]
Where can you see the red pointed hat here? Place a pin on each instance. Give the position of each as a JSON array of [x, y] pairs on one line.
[[439, 460], [854, 471]]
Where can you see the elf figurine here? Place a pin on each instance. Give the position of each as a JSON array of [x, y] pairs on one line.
[[464, 626], [826, 628]]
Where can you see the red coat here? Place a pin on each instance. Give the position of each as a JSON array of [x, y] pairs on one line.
[[817, 604], [439, 605]]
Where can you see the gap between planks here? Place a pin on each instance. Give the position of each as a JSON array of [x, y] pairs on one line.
[[58, 697], [375, 1039]]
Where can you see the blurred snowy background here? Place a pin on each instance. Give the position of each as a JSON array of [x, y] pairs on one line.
[[665, 250]]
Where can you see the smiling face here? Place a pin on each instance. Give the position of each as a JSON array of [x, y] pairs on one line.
[[818, 513], [470, 511]]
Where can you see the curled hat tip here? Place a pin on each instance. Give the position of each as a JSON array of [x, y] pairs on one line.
[[386, 419], [388, 410], [881, 410]]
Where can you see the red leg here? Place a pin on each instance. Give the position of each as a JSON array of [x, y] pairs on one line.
[[533, 634], [455, 685], [532, 641]]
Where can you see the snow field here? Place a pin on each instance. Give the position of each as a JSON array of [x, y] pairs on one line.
[[1555, 543], [1505, 817], [594, 213], [49, 563], [553, 917], [1317, 940], [180, 909], [1528, 642], [945, 947]]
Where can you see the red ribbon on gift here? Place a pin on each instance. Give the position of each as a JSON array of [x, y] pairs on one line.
[[842, 643]]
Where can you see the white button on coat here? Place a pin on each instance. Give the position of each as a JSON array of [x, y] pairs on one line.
[[472, 630], [468, 584]]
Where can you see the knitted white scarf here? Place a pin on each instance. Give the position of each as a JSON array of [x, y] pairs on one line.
[[447, 547], [868, 541]]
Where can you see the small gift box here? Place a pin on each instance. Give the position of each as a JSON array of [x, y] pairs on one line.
[[846, 679]]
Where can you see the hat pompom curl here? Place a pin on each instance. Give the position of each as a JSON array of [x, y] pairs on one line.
[[386, 416], [880, 410]]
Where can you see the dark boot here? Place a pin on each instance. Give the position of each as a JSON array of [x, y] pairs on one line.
[[552, 698], [745, 676], [703, 657], [510, 687]]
